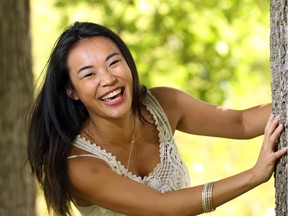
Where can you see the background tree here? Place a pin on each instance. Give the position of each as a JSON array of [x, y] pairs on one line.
[[279, 66], [17, 193]]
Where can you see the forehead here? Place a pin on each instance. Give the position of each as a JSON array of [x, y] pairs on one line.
[[97, 45]]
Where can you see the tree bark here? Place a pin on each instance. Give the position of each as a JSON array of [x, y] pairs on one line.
[[279, 67], [17, 186]]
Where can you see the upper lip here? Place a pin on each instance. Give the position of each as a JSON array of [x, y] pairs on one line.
[[112, 92]]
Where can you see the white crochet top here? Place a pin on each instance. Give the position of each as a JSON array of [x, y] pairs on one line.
[[170, 174]]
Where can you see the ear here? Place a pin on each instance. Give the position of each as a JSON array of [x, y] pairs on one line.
[[71, 93]]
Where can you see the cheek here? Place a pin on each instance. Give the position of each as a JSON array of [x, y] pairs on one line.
[[129, 76], [85, 91]]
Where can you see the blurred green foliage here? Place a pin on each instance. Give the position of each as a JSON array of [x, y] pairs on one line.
[[199, 46], [216, 50]]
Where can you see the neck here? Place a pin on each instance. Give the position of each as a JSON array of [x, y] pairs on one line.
[[112, 132]]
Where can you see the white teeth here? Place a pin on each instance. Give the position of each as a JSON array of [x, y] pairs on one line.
[[111, 94]]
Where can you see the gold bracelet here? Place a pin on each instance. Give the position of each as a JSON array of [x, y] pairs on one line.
[[207, 195]]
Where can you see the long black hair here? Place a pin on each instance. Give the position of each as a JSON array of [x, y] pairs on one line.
[[56, 119]]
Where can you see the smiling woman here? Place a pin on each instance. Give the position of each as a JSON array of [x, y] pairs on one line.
[[100, 77], [100, 140]]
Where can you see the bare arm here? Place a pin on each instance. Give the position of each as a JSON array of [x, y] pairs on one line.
[[193, 116], [93, 181]]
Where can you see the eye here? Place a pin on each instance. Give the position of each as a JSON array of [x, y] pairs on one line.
[[114, 62], [89, 74]]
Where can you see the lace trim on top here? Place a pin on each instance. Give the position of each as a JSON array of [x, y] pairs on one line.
[[169, 174]]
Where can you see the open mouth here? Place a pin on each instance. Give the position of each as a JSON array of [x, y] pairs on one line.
[[113, 97]]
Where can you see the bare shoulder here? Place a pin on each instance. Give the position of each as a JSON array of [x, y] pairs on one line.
[[166, 95], [187, 113], [169, 99], [81, 171], [164, 91]]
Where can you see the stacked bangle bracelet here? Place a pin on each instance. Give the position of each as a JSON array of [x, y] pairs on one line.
[[207, 194]]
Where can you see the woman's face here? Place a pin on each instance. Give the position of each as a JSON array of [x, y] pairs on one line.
[[101, 78]]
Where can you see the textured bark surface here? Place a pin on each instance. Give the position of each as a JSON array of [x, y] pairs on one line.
[[17, 187], [279, 66]]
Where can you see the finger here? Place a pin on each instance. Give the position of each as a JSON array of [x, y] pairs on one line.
[[278, 154], [269, 122], [272, 134], [272, 125], [275, 135]]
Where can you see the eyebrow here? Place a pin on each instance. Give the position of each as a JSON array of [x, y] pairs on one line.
[[84, 68], [90, 66], [111, 55]]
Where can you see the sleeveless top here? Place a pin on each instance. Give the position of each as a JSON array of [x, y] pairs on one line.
[[170, 174]]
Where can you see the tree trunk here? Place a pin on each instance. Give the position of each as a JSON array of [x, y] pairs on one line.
[[279, 67], [17, 186]]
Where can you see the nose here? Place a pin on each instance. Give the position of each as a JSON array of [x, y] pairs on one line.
[[107, 78]]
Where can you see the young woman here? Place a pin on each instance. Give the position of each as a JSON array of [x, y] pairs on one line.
[[99, 139]]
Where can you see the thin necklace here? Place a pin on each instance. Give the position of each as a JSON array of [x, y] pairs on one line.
[[131, 143], [131, 148]]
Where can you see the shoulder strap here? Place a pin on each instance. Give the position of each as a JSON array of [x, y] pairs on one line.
[[82, 155], [97, 152], [161, 120]]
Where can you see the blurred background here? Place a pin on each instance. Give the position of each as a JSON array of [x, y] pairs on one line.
[[216, 50]]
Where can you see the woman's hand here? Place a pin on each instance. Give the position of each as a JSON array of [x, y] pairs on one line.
[[265, 164]]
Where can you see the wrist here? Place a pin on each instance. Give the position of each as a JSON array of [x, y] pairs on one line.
[[255, 177]]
